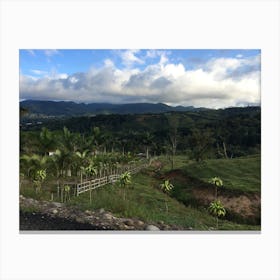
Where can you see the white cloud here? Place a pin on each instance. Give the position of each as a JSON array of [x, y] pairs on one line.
[[219, 83], [108, 63], [38, 72], [129, 58], [51, 52]]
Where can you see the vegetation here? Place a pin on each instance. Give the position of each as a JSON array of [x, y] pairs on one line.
[[218, 210], [189, 147], [166, 187]]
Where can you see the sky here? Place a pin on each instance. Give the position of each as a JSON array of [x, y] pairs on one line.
[[200, 78]]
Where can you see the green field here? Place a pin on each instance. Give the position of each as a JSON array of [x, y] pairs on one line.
[[243, 174]]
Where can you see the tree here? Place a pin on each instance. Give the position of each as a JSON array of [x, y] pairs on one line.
[[218, 183], [173, 122], [66, 190], [82, 162], [68, 141], [96, 138], [217, 209], [125, 180], [147, 140], [46, 140], [201, 141], [39, 177], [166, 187], [30, 164]]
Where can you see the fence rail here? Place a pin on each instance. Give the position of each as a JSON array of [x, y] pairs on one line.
[[99, 182]]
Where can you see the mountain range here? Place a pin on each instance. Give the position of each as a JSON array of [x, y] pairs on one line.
[[69, 108]]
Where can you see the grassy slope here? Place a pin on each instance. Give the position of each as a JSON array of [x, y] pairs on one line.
[[237, 174], [145, 201]]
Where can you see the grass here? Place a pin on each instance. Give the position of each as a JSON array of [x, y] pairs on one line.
[[242, 173], [144, 199]]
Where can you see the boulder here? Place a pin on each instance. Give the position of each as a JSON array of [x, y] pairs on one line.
[[151, 227]]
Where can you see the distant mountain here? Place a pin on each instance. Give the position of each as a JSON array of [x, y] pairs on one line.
[[65, 108]]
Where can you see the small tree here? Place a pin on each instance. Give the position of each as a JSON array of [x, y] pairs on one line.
[[218, 183], [90, 170], [217, 209], [67, 193], [166, 187], [125, 180], [39, 177]]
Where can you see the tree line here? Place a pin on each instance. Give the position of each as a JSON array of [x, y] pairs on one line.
[[225, 133]]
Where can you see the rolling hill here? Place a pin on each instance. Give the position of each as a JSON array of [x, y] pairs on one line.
[[67, 108]]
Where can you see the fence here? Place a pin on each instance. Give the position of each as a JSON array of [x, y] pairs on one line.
[[99, 182]]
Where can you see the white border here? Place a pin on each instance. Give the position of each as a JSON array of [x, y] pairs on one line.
[[153, 24]]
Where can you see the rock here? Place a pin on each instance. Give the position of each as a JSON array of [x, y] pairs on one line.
[[151, 227], [79, 220], [107, 216], [54, 211], [101, 211], [140, 223], [57, 204], [166, 227], [129, 222], [88, 212]]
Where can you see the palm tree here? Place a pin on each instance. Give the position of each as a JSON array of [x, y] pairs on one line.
[[166, 187], [39, 177], [66, 190], [217, 209], [218, 183], [147, 140], [46, 140], [67, 140], [82, 162], [30, 164], [125, 180]]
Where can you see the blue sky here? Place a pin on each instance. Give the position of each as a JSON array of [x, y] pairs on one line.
[[209, 78]]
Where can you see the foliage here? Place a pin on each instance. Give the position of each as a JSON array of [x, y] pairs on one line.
[[125, 179], [216, 181], [39, 177], [166, 187], [217, 209], [203, 132]]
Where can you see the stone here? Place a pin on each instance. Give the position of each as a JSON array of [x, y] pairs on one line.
[[54, 211], [151, 227], [108, 216], [140, 223], [101, 211], [129, 223], [57, 204]]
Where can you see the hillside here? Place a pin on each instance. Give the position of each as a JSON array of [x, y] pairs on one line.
[[64, 108]]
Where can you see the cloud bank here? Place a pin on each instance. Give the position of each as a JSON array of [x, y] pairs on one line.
[[216, 83]]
